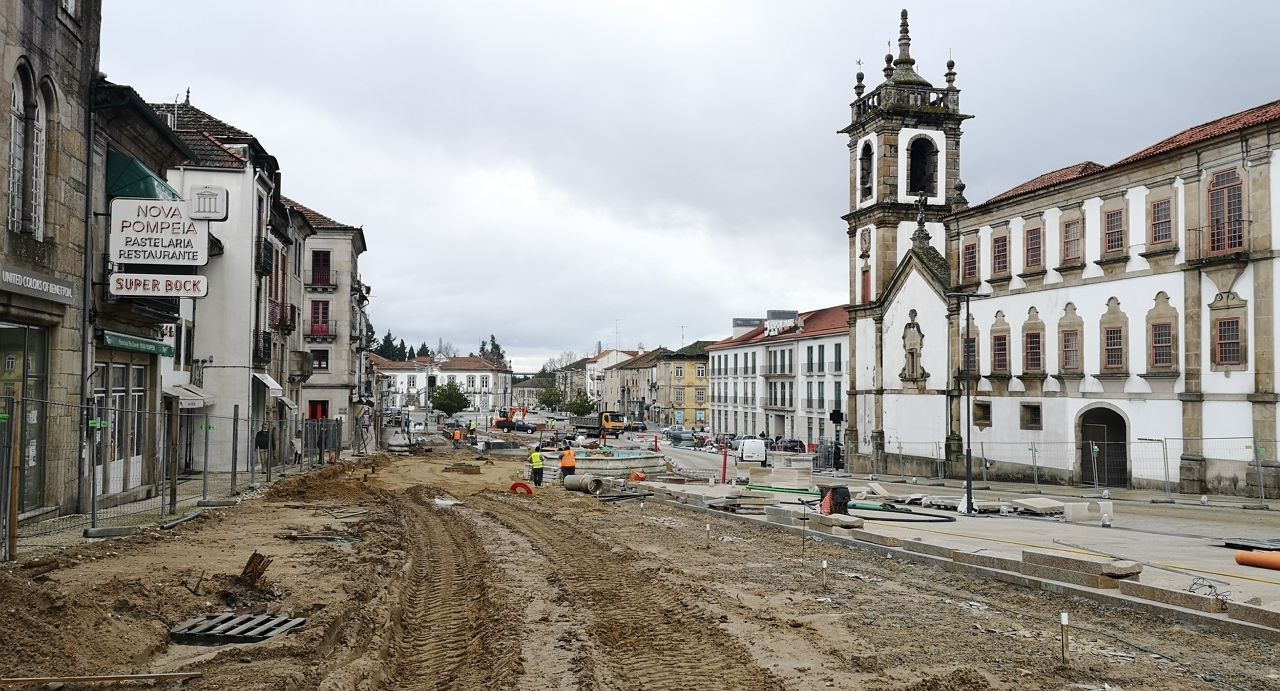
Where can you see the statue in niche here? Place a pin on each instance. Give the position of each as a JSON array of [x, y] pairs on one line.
[[864, 243], [913, 346]]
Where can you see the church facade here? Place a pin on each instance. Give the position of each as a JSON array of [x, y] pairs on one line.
[[1097, 324]]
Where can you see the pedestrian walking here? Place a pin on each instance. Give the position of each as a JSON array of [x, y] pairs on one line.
[[568, 463], [262, 442], [535, 460]]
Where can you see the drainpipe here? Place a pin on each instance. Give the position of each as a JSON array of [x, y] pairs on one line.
[[86, 297]]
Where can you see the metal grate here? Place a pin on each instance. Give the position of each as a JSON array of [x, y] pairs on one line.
[[229, 627]]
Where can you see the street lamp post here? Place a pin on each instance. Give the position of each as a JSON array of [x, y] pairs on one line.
[[965, 353]]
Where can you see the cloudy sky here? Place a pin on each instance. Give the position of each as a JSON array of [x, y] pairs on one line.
[[565, 173]]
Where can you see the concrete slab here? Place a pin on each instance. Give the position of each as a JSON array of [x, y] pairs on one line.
[[1255, 614], [989, 561], [1088, 512], [874, 538], [1097, 566], [1168, 596], [1089, 580], [1038, 505], [918, 545]]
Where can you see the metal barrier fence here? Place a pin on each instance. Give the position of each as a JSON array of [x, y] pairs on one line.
[[134, 467], [1232, 465]]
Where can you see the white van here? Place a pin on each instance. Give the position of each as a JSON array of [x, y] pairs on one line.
[[751, 451]]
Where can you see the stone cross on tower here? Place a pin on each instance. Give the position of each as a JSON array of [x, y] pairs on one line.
[[920, 238]]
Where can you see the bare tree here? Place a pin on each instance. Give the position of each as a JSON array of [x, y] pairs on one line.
[[564, 358], [446, 349]]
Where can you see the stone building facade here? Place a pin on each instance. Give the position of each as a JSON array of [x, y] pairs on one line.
[[335, 323], [48, 61], [683, 387], [1109, 306]]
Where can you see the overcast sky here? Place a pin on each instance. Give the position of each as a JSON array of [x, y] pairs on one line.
[[557, 172]]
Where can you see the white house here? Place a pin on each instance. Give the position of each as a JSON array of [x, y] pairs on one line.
[[487, 386], [782, 375]]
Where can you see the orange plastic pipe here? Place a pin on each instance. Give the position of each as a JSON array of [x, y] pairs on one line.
[[1262, 560]]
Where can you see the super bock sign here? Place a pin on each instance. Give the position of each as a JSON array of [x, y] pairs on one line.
[[155, 231]]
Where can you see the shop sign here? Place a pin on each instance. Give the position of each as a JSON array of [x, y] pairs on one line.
[[158, 286], [15, 279], [137, 344], [157, 231], [208, 203]]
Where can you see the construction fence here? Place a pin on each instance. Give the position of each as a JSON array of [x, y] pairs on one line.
[[70, 469], [1242, 466]]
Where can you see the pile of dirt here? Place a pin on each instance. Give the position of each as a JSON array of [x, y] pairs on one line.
[[344, 482], [963, 679]]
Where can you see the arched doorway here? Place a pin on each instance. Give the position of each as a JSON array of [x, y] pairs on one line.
[[1103, 437]]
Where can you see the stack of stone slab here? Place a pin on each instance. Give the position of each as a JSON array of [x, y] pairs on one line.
[[1090, 571], [742, 502]]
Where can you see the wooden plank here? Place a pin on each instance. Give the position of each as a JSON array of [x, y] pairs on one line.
[[222, 628], [251, 624], [210, 623], [262, 629]]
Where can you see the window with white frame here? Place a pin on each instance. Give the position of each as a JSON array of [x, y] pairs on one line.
[[700, 371], [679, 371]]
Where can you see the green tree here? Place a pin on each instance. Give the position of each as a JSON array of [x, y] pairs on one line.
[[449, 399], [411, 354], [424, 351], [550, 397], [581, 404], [387, 346], [400, 351]]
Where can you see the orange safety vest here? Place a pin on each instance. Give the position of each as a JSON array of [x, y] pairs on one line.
[[457, 434], [568, 460]]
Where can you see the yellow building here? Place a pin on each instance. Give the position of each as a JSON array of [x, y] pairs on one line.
[[682, 385]]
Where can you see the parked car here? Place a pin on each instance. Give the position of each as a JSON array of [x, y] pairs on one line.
[[636, 426], [508, 425], [790, 445]]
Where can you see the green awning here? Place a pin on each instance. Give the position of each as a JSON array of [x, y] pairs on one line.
[[127, 177]]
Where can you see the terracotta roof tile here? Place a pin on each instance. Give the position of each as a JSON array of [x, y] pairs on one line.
[[315, 218], [209, 151], [188, 117], [468, 363], [819, 322], [1269, 112], [1056, 177]]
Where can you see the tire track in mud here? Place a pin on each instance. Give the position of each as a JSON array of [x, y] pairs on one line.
[[450, 631], [648, 636]]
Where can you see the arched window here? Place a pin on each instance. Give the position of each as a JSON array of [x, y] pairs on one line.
[[864, 172], [28, 156], [922, 168]]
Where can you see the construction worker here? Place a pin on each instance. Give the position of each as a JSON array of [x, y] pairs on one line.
[[457, 437], [568, 463], [535, 460]]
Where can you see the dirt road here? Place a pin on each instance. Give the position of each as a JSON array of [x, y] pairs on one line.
[[442, 580]]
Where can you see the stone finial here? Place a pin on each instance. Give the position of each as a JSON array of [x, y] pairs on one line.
[[188, 101], [860, 87], [904, 44], [951, 74], [888, 65], [957, 200]]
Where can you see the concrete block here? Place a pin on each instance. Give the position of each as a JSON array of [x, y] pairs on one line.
[[1038, 505], [110, 532], [922, 547], [988, 572], [1254, 614], [1089, 580], [873, 538], [1087, 511], [842, 521], [781, 516], [1098, 566], [989, 561], [1168, 596], [759, 475]]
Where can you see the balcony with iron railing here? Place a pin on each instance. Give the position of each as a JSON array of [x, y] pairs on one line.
[[780, 371], [263, 257], [261, 347], [281, 316], [320, 280], [321, 330]]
